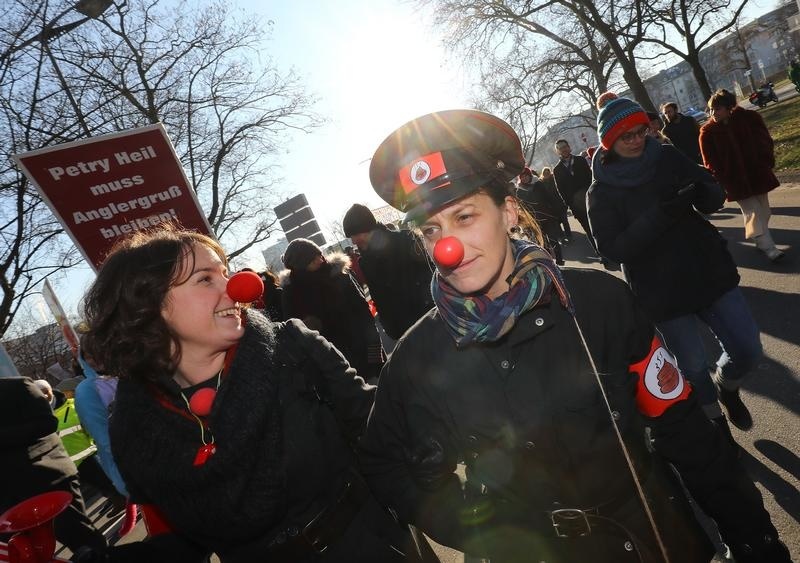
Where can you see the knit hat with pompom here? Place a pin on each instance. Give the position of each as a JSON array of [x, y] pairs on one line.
[[617, 115]]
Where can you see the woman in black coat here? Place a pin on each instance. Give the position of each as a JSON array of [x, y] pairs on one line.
[[234, 433], [533, 379], [645, 208], [321, 292]]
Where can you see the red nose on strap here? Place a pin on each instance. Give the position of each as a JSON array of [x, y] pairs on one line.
[[245, 287], [448, 252], [201, 401]]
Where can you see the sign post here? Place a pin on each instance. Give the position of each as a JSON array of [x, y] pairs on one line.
[[297, 220], [55, 307], [104, 188]]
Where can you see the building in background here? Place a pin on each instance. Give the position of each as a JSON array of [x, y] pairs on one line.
[[757, 52], [41, 354]]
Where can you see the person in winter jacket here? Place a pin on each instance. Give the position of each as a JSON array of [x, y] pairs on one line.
[[542, 200], [321, 292], [233, 433], [738, 149], [682, 131], [34, 461], [646, 205], [396, 269], [533, 379], [272, 298], [93, 399]]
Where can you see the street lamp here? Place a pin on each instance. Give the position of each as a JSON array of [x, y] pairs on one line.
[[91, 9]]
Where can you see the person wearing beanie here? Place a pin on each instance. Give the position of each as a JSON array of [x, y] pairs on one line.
[[358, 220], [395, 267], [535, 378], [646, 208], [322, 292], [300, 253]]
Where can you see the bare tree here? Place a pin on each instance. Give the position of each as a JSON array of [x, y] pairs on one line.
[[698, 23], [202, 71], [577, 46], [34, 352], [31, 245], [193, 70], [335, 230]]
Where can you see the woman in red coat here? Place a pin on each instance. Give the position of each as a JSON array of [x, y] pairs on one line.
[[738, 149]]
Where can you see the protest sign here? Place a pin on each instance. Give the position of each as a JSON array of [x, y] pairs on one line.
[[104, 188], [61, 318]]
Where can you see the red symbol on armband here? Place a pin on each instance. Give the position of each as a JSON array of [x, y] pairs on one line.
[[660, 382], [668, 378]]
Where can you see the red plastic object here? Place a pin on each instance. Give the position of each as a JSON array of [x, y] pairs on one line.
[[448, 252], [130, 519], [154, 521], [202, 400], [31, 522], [245, 287]]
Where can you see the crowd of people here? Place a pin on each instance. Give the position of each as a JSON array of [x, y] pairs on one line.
[[581, 406]]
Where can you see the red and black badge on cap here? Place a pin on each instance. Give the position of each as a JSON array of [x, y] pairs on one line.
[[441, 157]]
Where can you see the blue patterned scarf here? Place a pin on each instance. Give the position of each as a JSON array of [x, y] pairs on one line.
[[477, 318], [628, 172]]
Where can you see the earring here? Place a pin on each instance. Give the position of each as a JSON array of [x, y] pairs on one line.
[[515, 230]]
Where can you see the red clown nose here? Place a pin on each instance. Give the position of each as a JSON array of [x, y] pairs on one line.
[[448, 252], [245, 287], [201, 401]]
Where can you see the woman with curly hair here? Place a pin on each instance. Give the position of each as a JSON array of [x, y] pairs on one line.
[[234, 432]]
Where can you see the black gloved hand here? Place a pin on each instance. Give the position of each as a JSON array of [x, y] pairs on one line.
[[680, 203], [429, 463]]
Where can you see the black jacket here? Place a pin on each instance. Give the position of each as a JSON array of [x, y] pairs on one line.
[[331, 301], [281, 454], [685, 134], [572, 185], [398, 273], [34, 460], [30, 449], [675, 264], [542, 200], [526, 416]]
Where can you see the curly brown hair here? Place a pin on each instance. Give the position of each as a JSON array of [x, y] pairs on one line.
[[127, 334]]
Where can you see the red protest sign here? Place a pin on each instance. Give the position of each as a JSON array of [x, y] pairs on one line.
[[104, 188]]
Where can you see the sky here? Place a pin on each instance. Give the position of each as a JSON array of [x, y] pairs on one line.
[[374, 65]]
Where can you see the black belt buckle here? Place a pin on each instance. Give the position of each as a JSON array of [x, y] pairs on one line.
[[317, 545], [570, 523], [315, 540]]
